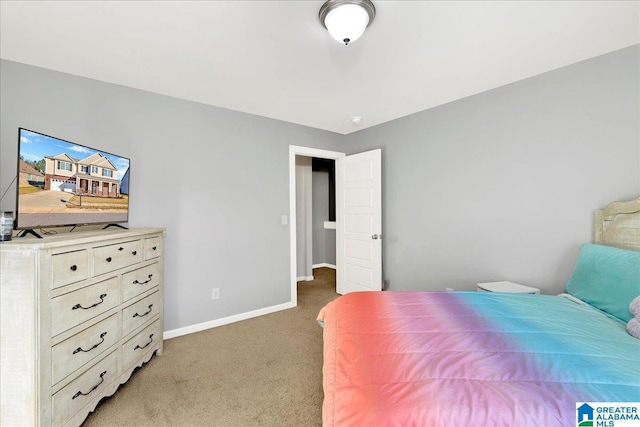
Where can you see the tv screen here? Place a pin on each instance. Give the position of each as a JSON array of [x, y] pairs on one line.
[[64, 183]]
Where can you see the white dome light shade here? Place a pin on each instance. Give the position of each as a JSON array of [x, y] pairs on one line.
[[346, 23], [346, 20]]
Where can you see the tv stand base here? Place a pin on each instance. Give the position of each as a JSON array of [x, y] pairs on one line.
[[115, 225], [29, 231]]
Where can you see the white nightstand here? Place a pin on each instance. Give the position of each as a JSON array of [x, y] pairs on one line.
[[508, 287]]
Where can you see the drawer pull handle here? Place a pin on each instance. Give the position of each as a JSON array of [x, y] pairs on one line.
[[142, 315], [136, 282], [73, 267], [109, 259], [79, 393], [134, 253], [121, 248], [77, 306], [80, 349], [146, 345], [154, 248]]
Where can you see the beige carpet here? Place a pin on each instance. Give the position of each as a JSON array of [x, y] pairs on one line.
[[265, 371]]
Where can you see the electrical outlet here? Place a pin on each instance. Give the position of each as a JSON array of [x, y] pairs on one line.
[[215, 293], [449, 289]]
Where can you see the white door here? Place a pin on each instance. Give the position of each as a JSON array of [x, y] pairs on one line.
[[359, 222]]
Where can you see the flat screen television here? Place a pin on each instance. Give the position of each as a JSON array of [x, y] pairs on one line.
[[62, 183]]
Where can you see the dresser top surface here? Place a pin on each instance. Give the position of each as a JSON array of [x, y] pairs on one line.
[[64, 238]]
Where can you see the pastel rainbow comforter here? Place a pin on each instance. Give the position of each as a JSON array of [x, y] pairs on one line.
[[471, 359]]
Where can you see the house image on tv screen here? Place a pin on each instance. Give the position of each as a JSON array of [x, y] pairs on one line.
[[94, 175], [124, 183], [30, 175]]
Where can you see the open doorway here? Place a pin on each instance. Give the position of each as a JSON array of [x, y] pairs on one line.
[[324, 212], [315, 216], [308, 154], [315, 225], [358, 219]]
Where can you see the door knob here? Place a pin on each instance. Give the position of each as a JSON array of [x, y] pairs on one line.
[[376, 236]]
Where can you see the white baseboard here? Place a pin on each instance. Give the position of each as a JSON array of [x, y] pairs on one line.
[[225, 321], [304, 279], [324, 264]]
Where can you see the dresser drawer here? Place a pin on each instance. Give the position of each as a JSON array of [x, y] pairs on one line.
[[72, 398], [140, 313], [76, 307], [112, 257], [79, 349], [141, 344], [152, 247], [69, 267], [138, 281]]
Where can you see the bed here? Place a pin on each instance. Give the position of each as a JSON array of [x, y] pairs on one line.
[[491, 359]]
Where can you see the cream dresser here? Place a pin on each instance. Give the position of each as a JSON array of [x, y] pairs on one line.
[[79, 312]]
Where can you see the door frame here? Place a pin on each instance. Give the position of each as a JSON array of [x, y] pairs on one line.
[[295, 150]]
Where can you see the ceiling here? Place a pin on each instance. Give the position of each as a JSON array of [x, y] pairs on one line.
[[275, 59]]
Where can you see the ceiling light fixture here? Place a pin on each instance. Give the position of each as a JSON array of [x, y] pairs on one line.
[[346, 20]]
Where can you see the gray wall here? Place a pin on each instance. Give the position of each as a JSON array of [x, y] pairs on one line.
[[502, 185], [497, 186], [218, 180]]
